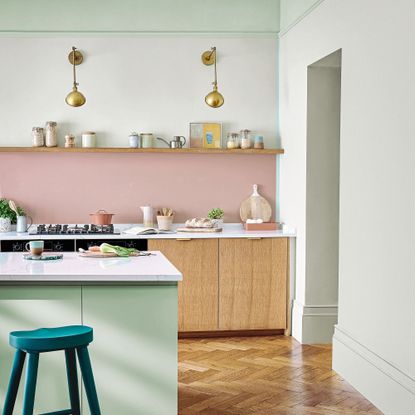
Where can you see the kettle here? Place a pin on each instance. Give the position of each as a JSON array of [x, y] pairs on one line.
[[176, 142]]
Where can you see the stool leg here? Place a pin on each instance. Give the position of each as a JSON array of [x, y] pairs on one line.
[[30, 384], [88, 377], [72, 381], [15, 376]]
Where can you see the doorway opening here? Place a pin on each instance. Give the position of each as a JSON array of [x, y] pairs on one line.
[[322, 198]]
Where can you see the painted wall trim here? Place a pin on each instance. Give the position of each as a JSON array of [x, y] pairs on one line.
[[383, 383], [284, 31], [115, 33], [387, 368], [313, 323]]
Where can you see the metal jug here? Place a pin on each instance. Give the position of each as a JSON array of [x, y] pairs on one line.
[[176, 142]]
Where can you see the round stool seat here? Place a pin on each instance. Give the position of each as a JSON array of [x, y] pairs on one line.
[[48, 339]]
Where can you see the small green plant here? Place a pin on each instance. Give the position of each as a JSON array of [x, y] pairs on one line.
[[6, 212], [216, 213]]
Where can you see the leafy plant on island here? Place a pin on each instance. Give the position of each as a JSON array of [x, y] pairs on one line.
[[6, 212], [216, 213]]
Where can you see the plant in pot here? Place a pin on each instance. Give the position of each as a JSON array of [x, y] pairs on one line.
[[216, 216], [8, 216]]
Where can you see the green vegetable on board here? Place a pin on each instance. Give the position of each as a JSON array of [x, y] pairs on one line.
[[115, 249]]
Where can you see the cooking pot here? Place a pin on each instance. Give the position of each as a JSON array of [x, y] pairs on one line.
[[101, 217]]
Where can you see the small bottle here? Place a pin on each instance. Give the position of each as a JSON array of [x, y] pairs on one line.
[[38, 140], [51, 134], [245, 139], [259, 142]]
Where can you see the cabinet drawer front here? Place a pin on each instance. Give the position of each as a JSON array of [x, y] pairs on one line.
[[252, 283], [197, 260]]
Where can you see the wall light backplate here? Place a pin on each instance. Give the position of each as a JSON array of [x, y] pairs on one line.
[[78, 57]]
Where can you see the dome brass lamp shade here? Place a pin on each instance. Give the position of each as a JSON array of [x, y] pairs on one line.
[[75, 98], [214, 99]]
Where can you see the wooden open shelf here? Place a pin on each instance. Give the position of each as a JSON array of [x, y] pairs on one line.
[[138, 150]]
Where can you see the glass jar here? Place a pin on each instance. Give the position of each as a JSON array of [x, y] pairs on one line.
[[38, 140], [232, 141], [51, 134], [245, 139]]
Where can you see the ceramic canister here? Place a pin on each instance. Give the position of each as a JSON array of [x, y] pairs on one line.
[[89, 139]]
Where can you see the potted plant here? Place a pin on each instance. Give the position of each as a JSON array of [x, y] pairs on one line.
[[216, 216], [8, 216]]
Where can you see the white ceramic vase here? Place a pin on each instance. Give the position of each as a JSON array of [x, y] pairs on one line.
[[5, 225]]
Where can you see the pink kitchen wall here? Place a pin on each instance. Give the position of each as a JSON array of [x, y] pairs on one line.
[[65, 188]]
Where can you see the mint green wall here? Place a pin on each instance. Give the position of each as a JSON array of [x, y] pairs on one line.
[[292, 10], [140, 15]]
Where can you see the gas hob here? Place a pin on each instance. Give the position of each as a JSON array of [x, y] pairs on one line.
[[60, 229]]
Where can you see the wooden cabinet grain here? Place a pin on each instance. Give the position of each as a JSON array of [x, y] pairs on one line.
[[197, 260], [253, 283]]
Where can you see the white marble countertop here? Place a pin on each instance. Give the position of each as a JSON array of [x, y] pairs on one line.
[[73, 268], [232, 230]]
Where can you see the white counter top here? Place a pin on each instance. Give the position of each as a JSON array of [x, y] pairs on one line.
[[232, 230], [73, 268]]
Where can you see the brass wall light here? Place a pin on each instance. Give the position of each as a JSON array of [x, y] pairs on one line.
[[75, 98], [214, 99]]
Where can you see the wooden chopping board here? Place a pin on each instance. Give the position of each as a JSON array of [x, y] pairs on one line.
[[245, 209], [201, 230]]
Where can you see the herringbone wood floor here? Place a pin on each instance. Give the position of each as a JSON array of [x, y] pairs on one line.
[[262, 376]]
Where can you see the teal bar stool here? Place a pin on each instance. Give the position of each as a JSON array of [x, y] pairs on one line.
[[71, 339]]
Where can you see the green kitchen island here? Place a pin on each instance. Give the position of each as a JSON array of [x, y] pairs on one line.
[[131, 303]]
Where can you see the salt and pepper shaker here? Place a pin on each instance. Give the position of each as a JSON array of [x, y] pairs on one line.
[[70, 141]]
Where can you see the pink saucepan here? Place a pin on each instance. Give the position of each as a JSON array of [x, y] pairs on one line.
[[101, 217]]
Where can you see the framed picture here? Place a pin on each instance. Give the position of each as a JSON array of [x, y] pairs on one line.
[[205, 135]]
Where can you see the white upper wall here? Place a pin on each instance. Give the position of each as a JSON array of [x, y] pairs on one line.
[[377, 159], [142, 83], [140, 15]]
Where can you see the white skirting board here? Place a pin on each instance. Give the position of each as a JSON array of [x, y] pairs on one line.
[[386, 386], [313, 324]]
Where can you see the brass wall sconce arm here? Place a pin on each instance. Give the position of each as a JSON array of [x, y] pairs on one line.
[[75, 98], [214, 99]]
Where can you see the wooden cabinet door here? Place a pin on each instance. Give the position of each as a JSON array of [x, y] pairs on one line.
[[252, 283], [197, 260]]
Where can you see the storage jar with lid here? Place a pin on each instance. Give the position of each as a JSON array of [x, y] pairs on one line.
[[51, 134], [232, 141], [245, 139], [89, 139], [259, 142], [38, 139]]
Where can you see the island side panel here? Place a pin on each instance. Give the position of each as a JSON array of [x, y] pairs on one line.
[[134, 352], [30, 307]]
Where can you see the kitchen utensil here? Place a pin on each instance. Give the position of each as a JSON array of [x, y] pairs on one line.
[[255, 207], [199, 230], [35, 247], [22, 225], [13, 207], [176, 142], [101, 217], [147, 216], [42, 257]]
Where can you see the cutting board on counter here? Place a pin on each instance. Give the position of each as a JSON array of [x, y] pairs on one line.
[[199, 230], [88, 254], [245, 211]]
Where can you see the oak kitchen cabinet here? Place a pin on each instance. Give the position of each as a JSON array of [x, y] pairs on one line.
[[253, 283], [197, 260], [229, 284]]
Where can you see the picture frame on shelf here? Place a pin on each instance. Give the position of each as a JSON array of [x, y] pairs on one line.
[[205, 135]]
